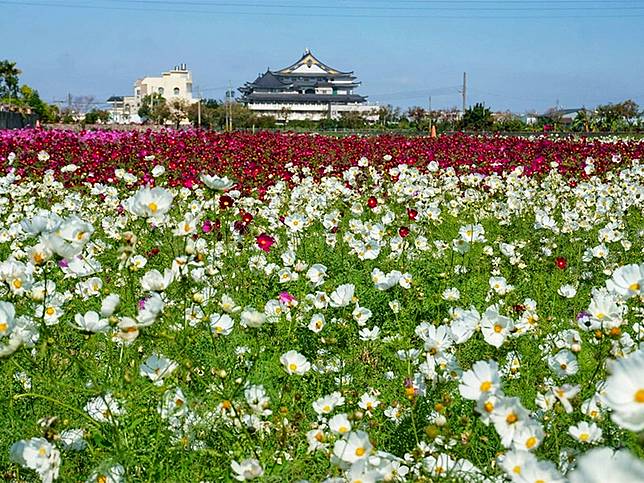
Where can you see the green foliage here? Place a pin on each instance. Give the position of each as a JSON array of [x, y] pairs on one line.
[[477, 118], [97, 115], [155, 108]]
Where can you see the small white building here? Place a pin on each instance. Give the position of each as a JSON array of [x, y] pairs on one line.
[[171, 85]]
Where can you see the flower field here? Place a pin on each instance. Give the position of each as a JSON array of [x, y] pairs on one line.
[[197, 307]]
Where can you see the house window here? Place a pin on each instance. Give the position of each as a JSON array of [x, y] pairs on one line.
[[176, 91], [160, 90]]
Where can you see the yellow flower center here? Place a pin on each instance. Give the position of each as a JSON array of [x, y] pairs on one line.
[[101, 479], [584, 437], [219, 329], [516, 469], [511, 418], [639, 396], [153, 207], [634, 287], [539, 481], [50, 311], [531, 442], [38, 258], [600, 316], [343, 429], [292, 366], [360, 451], [17, 283], [80, 235], [498, 328], [488, 406], [486, 386], [42, 451], [326, 408]]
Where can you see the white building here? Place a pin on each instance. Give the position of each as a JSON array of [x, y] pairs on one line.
[[306, 90], [171, 85]]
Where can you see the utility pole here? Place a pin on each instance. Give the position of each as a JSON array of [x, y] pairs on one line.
[[69, 103], [430, 115], [199, 109], [464, 92]]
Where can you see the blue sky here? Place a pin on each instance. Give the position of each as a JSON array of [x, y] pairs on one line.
[[518, 55]]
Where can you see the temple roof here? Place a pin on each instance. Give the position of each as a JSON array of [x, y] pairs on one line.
[[269, 81], [308, 64]]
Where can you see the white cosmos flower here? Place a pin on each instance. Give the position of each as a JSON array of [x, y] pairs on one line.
[[604, 465], [103, 408], [567, 291], [624, 392], [221, 324], [154, 281], [251, 317], [627, 281], [317, 323], [482, 379], [248, 469], [90, 322], [110, 304], [361, 315], [354, 447], [156, 367], [295, 363], [217, 183], [7, 315], [111, 474], [563, 363], [342, 296], [508, 417], [39, 455], [316, 274], [586, 433], [150, 202], [340, 424], [495, 327]]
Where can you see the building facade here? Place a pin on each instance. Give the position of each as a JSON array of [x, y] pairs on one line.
[[306, 90], [171, 85]]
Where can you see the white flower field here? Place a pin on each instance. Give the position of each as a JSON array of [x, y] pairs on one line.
[[389, 324]]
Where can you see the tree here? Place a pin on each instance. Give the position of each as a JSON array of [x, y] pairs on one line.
[[155, 108], [97, 115], [614, 116], [9, 78], [388, 114], [44, 111], [417, 115], [178, 111], [285, 113], [477, 118], [351, 120]]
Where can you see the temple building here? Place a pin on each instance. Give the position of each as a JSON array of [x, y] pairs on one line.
[[306, 90]]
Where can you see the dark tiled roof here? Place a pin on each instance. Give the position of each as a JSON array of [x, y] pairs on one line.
[[269, 81], [115, 99]]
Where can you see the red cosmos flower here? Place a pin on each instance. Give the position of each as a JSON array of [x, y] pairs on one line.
[[403, 231], [265, 242], [372, 202], [247, 218], [561, 263], [412, 214], [206, 227], [153, 252], [225, 201]]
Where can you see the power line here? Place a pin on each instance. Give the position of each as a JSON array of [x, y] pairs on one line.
[[523, 6], [322, 15]]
